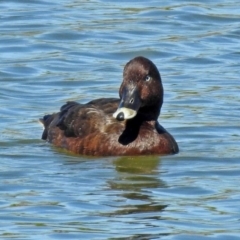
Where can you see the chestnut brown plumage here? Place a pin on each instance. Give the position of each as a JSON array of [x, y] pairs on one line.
[[114, 127]]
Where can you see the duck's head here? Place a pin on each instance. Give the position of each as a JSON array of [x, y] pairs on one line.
[[141, 92]]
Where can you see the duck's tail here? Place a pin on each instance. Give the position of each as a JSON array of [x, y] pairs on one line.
[[56, 120], [46, 121]]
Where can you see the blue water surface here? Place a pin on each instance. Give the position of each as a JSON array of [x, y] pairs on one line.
[[53, 52]]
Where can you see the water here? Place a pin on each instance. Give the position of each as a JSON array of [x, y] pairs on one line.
[[75, 50]]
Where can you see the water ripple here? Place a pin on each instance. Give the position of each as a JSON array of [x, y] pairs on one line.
[[67, 50]]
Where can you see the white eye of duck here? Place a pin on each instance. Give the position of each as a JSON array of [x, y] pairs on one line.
[[147, 78]]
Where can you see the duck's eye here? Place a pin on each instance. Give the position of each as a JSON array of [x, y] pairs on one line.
[[147, 78]]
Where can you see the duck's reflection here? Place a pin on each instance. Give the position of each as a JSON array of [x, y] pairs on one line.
[[135, 182], [138, 164], [134, 187]]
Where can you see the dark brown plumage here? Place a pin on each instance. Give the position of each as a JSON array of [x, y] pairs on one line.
[[109, 126]]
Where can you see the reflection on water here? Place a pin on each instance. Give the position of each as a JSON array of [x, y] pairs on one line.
[[135, 176], [53, 52], [138, 165]]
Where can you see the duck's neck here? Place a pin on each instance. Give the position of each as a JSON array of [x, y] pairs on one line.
[[132, 128], [149, 113]]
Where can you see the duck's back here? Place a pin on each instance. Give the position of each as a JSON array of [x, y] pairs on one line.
[[90, 129]]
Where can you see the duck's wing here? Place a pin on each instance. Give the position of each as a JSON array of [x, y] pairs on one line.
[[80, 120]]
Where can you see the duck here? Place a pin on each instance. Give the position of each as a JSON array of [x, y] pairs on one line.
[[124, 126]]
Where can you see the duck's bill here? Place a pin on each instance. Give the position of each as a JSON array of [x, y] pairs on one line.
[[129, 105], [124, 113]]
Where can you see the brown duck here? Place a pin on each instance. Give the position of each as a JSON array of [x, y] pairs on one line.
[[112, 126]]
